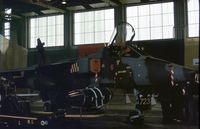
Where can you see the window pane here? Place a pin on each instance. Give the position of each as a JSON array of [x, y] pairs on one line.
[[8, 11], [51, 20], [79, 39], [132, 11], [168, 32], [33, 32], [155, 8], [79, 17], [51, 41], [32, 23], [193, 17], [168, 19], [79, 28], [7, 32], [42, 21], [109, 25], [99, 37], [156, 33], [144, 34], [144, 21], [109, 14], [42, 31], [59, 40], [99, 26], [59, 30], [99, 15], [193, 5], [51, 30], [144, 10], [89, 37], [89, 27], [33, 43], [168, 7], [156, 20], [60, 19], [89, 16], [193, 30], [6, 25]]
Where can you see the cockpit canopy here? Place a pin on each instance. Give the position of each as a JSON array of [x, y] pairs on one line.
[[121, 42], [122, 33]]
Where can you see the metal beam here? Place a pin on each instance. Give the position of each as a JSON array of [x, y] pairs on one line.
[[12, 15], [1, 5], [49, 7], [116, 2], [113, 2], [87, 6]]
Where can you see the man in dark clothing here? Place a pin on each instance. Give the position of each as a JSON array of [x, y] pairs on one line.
[[165, 99], [41, 53], [192, 103], [177, 102]]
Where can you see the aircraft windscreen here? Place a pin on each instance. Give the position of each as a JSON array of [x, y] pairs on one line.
[[122, 33]]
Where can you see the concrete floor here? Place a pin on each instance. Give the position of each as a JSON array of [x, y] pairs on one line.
[[116, 119]]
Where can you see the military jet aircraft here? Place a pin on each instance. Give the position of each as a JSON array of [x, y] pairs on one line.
[[63, 87], [84, 82], [149, 74]]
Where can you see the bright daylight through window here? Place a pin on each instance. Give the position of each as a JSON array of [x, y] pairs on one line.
[[49, 29], [152, 21], [193, 18], [93, 26], [8, 11]]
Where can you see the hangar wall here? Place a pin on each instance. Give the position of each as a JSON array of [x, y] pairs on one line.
[[53, 55], [191, 52], [170, 50]]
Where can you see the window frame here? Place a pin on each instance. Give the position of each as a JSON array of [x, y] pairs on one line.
[[150, 3], [29, 31], [84, 11]]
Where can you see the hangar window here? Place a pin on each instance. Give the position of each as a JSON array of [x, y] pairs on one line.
[[8, 11], [152, 21], [50, 29], [93, 26], [193, 18]]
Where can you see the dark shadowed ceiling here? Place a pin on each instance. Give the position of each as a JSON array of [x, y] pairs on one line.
[[40, 7]]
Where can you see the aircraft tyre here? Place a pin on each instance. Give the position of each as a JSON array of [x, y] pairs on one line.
[[136, 117]]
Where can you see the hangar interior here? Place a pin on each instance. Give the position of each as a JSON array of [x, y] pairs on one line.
[[70, 29], [178, 45]]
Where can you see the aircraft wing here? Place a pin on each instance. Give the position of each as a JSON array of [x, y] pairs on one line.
[[17, 73]]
